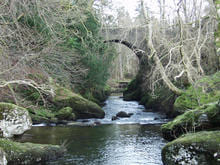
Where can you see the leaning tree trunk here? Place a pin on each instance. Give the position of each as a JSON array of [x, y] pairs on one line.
[[159, 65], [156, 59]]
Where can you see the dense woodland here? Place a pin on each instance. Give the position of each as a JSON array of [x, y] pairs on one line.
[[56, 61]]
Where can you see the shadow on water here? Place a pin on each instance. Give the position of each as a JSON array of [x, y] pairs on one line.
[[107, 144]]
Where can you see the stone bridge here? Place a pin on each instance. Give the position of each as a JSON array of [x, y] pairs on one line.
[[134, 38]]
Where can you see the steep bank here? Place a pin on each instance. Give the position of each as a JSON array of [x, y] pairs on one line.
[[63, 106], [198, 122], [139, 89], [196, 109]]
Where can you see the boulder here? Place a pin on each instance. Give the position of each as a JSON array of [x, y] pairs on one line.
[[200, 148], [82, 107], [14, 120], [123, 114], [203, 118], [28, 153], [3, 160], [115, 118], [66, 114]]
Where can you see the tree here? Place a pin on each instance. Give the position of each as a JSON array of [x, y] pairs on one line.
[[58, 39], [171, 51]]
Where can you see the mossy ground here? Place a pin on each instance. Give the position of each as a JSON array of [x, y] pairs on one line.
[[28, 153], [189, 121]]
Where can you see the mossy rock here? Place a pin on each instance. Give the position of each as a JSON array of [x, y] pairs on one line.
[[28, 153], [202, 118], [205, 91], [42, 115], [14, 120], [196, 148], [82, 107], [65, 114]]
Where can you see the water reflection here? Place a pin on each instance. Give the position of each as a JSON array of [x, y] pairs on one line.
[[103, 145]]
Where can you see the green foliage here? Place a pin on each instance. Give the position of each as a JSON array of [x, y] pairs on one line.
[[98, 96], [35, 22], [205, 91], [29, 93], [94, 56], [133, 91], [61, 40], [42, 115]]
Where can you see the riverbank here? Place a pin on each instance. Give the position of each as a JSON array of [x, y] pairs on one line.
[[64, 106], [195, 110]]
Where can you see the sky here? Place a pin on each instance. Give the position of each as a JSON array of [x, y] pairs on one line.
[[170, 7], [130, 5]]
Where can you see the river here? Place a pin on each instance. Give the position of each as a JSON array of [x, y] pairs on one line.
[[127, 141]]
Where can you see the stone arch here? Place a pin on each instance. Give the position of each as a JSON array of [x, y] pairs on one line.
[[138, 52]]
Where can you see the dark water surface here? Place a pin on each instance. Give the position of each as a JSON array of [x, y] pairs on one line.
[[131, 141]]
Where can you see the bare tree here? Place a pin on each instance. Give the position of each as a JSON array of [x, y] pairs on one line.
[[178, 52], [32, 35]]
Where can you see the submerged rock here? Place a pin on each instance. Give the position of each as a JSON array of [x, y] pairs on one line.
[[14, 120], [3, 160], [123, 114], [200, 148], [82, 107], [97, 123], [115, 118], [28, 153], [202, 118]]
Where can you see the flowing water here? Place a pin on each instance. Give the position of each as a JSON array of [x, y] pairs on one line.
[[127, 141]]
